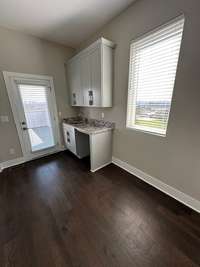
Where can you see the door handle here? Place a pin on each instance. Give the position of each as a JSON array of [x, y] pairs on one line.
[[24, 128]]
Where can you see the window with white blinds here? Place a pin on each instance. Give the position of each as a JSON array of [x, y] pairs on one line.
[[152, 72]]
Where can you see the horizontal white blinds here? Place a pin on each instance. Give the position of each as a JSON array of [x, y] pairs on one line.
[[33, 93], [38, 120], [152, 71], [35, 105]]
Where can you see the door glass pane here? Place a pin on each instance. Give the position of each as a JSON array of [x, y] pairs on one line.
[[38, 120]]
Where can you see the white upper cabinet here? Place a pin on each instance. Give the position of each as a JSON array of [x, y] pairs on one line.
[[90, 75], [95, 70], [74, 79], [85, 79]]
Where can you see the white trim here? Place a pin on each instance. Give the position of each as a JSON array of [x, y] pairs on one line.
[[144, 35], [11, 163], [27, 76], [132, 128], [104, 165], [91, 47], [10, 80], [18, 161], [172, 192], [133, 90]]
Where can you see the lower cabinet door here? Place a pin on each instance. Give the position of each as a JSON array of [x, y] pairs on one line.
[[69, 136]]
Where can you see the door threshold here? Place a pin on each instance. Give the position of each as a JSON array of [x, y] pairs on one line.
[[20, 161]]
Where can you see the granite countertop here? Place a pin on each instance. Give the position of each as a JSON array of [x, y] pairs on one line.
[[89, 126]]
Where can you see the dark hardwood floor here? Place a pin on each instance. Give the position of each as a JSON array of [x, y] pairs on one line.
[[55, 213]]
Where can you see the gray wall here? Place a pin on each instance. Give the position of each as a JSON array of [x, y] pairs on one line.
[[27, 54], [175, 159]]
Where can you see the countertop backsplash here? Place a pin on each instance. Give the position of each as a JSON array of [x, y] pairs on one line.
[[91, 122]]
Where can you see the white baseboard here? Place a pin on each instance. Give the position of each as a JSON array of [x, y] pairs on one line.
[[18, 161], [11, 163], [178, 195], [106, 164]]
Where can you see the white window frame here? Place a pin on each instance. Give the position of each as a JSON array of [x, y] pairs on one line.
[[146, 129]]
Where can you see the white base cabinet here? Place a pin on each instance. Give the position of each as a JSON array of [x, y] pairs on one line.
[[100, 150], [97, 145], [90, 75], [70, 138], [75, 141]]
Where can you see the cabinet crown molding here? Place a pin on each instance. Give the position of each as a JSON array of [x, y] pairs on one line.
[[92, 46]]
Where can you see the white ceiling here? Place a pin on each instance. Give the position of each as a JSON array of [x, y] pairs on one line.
[[62, 21]]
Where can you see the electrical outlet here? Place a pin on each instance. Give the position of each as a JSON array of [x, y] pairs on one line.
[[12, 151], [102, 115]]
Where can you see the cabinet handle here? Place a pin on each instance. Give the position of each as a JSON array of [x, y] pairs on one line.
[[68, 137], [90, 97], [74, 98]]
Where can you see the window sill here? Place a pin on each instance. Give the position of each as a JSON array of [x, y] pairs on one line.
[[140, 129]]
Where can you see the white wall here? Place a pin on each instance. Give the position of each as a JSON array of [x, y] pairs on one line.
[[26, 54], [175, 160]]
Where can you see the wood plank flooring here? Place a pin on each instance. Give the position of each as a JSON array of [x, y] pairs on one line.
[[55, 213]]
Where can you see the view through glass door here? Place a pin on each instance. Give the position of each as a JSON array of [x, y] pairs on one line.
[[38, 123], [33, 104]]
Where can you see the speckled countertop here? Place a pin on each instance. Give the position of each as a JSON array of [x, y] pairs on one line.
[[89, 126]]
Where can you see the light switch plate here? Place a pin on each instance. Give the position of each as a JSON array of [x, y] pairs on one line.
[[12, 151]]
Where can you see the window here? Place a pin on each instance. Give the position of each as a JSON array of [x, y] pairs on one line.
[[39, 123], [152, 72]]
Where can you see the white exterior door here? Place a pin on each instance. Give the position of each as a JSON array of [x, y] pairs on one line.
[[34, 108]]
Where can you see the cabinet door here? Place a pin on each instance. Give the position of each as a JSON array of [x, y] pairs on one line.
[[69, 137], [75, 83], [85, 78], [95, 72]]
